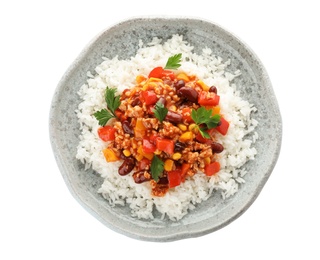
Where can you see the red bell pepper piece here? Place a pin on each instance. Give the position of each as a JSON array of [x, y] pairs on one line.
[[156, 73], [208, 98], [165, 145], [174, 178], [168, 74], [107, 133], [149, 97], [223, 127], [147, 146], [159, 73], [212, 168]]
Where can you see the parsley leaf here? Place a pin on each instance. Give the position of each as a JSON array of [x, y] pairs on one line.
[[174, 62], [203, 116], [157, 166], [160, 111], [103, 116], [113, 102]]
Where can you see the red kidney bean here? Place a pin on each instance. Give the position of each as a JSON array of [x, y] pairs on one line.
[[139, 177], [179, 146], [179, 84], [136, 101], [188, 93], [126, 126], [173, 117], [127, 166], [216, 147], [162, 100], [213, 89], [163, 180]]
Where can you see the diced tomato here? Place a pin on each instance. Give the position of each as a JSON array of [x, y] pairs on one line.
[[223, 127], [174, 178], [159, 73], [147, 146], [212, 168], [149, 97], [208, 98], [156, 73], [165, 145], [186, 114], [168, 74], [143, 164], [153, 138], [107, 133]]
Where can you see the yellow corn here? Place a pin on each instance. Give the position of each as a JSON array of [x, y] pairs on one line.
[[182, 127], [176, 156], [126, 153], [157, 152], [192, 127], [187, 136], [203, 85], [183, 76], [207, 160], [173, 108], [168, 164]]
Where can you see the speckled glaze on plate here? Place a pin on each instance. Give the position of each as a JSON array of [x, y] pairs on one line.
[[122, 40]]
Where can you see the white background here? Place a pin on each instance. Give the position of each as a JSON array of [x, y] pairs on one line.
[[39, 219]]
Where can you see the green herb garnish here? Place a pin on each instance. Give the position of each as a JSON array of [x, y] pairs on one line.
[[157, 166], [173, 62], [160, 111], [113, 102], [205, 120]]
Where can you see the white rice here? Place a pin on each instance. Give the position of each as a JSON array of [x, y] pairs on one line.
[[122, 190]]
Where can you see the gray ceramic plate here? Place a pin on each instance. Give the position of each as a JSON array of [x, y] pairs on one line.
[[122, 40]]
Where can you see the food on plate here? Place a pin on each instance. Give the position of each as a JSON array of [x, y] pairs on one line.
[[165, 129]]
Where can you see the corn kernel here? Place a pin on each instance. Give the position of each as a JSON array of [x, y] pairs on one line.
[[157, 152], [173, 108], [182, 127], [176, 156], [126, 153], [187, 136], [193, 128], [207, 160], [168, 165]]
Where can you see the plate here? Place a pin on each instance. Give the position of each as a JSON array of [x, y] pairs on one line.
[[122, 39]]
